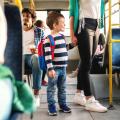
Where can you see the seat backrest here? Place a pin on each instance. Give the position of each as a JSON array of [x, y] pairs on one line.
[[13, 51], [116, 47], [115, 51]]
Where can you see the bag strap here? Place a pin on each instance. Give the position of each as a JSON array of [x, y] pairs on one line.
[[52, 45], [52, 41]]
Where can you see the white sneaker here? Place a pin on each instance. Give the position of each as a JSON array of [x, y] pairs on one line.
[[80, 99], [37, 100], [94, 105]]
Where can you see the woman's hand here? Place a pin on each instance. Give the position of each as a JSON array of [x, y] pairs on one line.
[[74, 40]]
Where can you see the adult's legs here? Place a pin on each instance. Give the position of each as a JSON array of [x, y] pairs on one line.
[[86, 43], [37, 73], [32, 61]]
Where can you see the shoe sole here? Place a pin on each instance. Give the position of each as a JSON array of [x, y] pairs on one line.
[[65, 111], [95, 110], [52, 114]]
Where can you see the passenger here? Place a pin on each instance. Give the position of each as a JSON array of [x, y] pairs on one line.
[[40, 24], [56, 68], [97, 62], [11, 92], [31, 37], [84, 15]]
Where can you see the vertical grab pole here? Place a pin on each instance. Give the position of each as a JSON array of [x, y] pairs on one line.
[[110, 58]]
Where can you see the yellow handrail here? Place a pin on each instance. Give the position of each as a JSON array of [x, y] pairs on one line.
[[114, 40], [115, 25], [110, 57], [110, 54]]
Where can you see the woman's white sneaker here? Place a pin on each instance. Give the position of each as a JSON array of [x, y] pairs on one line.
[[94, 105], [80, 99]]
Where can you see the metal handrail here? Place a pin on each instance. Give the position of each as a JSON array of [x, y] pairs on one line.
[[110, 55]]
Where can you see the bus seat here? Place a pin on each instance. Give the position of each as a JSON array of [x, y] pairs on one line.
[[115, 55], [13, 51], [116, 50]]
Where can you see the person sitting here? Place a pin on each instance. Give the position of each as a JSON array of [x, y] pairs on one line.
[[31, 37], [97, 58]]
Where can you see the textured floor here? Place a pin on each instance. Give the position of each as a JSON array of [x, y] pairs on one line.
[[78, 112]]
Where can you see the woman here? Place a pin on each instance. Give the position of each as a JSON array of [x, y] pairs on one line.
[[84, 16]]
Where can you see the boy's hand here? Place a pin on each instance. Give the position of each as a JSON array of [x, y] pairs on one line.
[[52, 73]]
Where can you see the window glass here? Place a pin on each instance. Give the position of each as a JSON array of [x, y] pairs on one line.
[[42, 15]]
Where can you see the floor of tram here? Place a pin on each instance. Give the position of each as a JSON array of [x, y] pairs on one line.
[[78, 112]]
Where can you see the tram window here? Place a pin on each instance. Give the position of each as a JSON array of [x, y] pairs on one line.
[[42, 15], [115, 13], [67, 25]]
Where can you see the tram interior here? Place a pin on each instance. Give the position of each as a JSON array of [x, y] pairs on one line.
[[99, 80]]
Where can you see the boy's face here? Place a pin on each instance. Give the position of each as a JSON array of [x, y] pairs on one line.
[[61, 25], [27, 20]]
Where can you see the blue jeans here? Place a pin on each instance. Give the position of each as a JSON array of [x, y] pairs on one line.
[[32, 61], [60, 82]]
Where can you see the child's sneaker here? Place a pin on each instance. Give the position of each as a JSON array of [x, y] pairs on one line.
[[80, 99], [65, 109], [52, 110], [94, 105]]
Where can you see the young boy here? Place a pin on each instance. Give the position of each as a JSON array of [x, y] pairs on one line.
[[56, 67]]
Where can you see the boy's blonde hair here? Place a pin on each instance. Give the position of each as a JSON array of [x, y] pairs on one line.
[[53, 17]]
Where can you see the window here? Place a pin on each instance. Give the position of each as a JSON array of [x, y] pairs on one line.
[[42, 15]]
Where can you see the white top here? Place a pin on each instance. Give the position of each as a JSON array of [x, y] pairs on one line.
[[28, 41], [89, 9]]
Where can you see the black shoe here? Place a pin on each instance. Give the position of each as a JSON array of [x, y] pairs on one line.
[[65, 109]]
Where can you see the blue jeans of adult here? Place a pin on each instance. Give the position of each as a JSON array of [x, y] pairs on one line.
[[32, 61], [60, 82]]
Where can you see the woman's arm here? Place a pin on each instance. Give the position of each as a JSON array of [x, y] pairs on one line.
[[73, 37]]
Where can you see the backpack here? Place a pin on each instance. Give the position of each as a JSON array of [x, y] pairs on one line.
[[41, 55]]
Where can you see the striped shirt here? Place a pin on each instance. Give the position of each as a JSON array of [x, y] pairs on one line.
[[60, 53]]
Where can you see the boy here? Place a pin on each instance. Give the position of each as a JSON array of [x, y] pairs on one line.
[[56, 67]]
